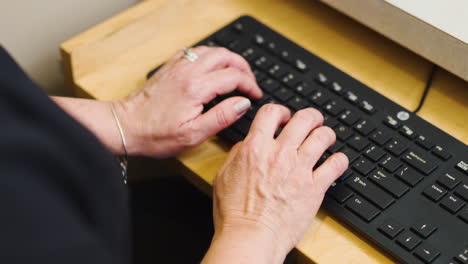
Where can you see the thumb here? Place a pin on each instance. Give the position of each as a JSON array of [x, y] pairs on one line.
[[222, 115]]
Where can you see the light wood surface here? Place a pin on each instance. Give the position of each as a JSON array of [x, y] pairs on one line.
[[111, 60]]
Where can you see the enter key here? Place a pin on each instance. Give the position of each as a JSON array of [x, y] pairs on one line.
[[420, 161]]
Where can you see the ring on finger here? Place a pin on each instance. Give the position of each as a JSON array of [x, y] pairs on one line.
[[189, 54]]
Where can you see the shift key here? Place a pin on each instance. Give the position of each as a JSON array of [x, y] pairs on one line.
[[420, 161], [362, 208], [370, 191]]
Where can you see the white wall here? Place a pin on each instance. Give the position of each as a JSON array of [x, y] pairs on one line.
[[32, 30]]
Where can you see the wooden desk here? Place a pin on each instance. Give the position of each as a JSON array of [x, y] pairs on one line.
[[110, 60]]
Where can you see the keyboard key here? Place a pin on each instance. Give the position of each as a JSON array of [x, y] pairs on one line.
[[420, 161], [337, 88], [408, 240], [250, 54], [374, 153], [290, 79], [407, 132], [239, 27], [410, 176], [349, 117], [367, 107], [426, 253], [423, 228], [303, 89], [259, 75], [380, 137], [396, 146], [424, 142], [297, 103], [391, 228], [462, 166], [348, 173], [333, 108], [225, 37], [391, 122], [434, 192], [364, 127], [450, 179], [339, 192], [351, 154], [269, 85], [351, 97], [283, 94], [462, 257], [358, 142], [329, 121], [319, 97], [389, 183], [441, 153], [464, 214], [263, 63], [238, 46], [362, 208], [370, 191], [335, 147], [452, 203], [462, 191], [321, 79], [259, 40], [363, 166], [272, 47], [277, 71], [390, 163], [301, 65], [343, 132], [286, 56]]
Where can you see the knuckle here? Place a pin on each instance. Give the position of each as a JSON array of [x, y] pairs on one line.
[[339, 162], [221, 51], [189, 136], [222, 118], [251, 149], [190, 86], [325, 135], [269, 109]]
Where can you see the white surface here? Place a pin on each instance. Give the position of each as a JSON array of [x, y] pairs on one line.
[[32, 30], [450, 16], [427, 40]]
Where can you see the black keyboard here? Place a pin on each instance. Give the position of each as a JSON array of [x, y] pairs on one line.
[[406, 188]]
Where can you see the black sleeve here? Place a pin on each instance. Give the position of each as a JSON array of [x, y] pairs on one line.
[[61, 196]]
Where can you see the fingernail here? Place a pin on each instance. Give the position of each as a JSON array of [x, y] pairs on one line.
[[242, 105]]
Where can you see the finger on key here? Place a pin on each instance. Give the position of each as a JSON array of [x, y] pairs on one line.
[[268, 119], [225, 81], [300, 126]]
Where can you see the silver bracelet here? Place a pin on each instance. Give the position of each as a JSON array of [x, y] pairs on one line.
[[123, 160]]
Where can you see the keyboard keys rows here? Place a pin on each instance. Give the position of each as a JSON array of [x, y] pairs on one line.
[[365, 189], [381, 188], [452, 201]]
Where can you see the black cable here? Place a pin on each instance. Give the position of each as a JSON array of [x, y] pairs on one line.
[[426, 89]]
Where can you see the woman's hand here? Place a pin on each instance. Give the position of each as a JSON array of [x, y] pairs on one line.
[[165, 116], [266, 194]]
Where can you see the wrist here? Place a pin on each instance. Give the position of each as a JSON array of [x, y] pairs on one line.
[[245, 245], [125, 113]]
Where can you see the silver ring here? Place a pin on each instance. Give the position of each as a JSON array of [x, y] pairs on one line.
[[189, 54]]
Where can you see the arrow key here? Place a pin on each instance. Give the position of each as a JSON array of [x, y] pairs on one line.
[[408, 240], [423, 228], [426, 253], [390, 228]]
